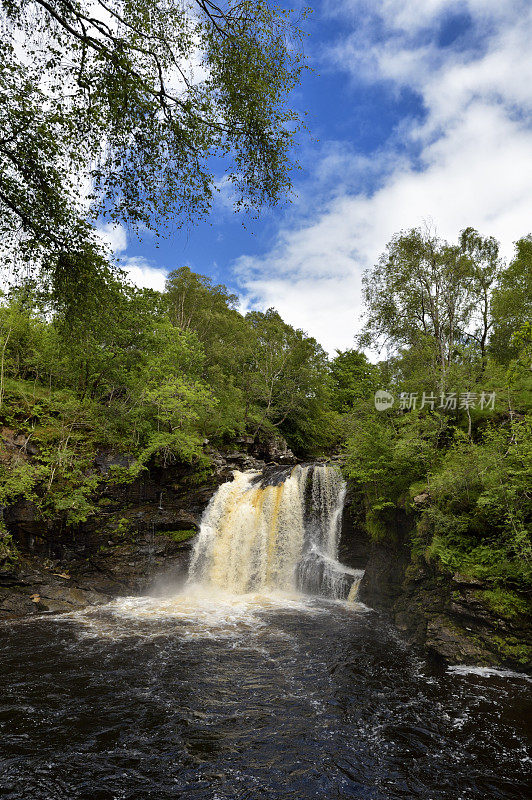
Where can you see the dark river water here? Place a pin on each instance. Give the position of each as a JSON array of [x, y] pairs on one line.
[[247, 698]]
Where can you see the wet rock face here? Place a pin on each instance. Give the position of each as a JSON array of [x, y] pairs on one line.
[[35, 589], [224, 464], [273, 475], [446, 615], [274, 449], [354, 545], [386, 566], [39, 585]]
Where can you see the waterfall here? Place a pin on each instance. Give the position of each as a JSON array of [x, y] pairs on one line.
[[256, 537]]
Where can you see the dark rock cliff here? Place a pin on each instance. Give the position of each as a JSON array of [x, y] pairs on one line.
[[446, 614]]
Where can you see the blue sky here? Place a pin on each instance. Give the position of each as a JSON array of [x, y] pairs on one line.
[[419, 113]]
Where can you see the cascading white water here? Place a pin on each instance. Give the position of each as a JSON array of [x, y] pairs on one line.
[[257, 538], [260, 548]]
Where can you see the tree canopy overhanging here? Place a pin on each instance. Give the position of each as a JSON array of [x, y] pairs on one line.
[[138, 111]]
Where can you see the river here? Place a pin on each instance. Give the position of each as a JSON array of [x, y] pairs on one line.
[[257, 698]]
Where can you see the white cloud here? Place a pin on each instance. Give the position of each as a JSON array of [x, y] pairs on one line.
[[473, 167], [113, 236], [137, 268], [143, 274]]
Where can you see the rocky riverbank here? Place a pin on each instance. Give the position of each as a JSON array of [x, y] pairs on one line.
[[452, 616]]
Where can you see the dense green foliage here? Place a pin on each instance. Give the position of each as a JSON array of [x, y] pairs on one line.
[[459, 321], [140, 111]]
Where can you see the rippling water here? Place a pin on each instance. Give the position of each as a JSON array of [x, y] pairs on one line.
[[247, 697]]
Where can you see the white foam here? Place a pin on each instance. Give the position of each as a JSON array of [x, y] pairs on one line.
[[198, 612], [487, 672], [194, 613]]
